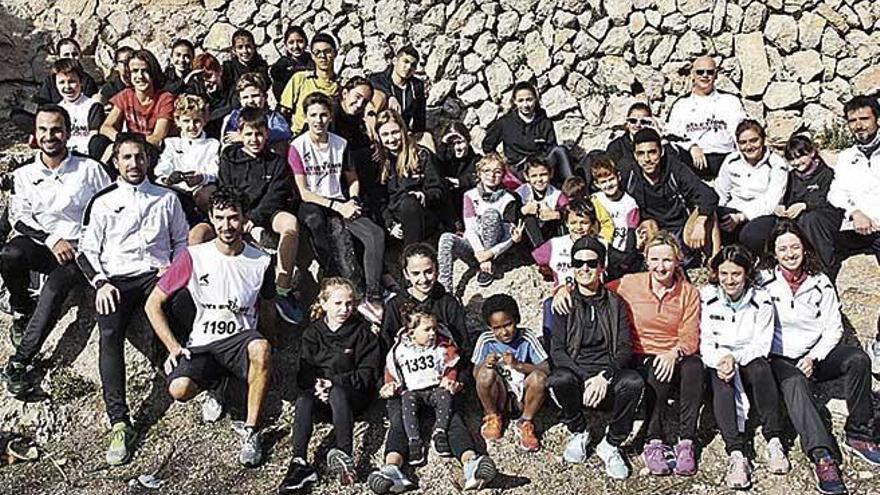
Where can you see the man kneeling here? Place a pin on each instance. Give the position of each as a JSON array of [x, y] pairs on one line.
[[229, 281]]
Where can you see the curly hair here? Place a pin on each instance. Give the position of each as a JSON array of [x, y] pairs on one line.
[[500, 303]]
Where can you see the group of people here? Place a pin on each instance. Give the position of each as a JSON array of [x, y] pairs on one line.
[[188, 192]]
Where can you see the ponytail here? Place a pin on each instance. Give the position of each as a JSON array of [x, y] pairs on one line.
[[316, 312]]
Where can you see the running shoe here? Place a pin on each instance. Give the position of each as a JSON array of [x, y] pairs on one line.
[[389, 479], [251, 454], [655, 455], [342, 466], [478, 472], [739, 475], [777, 461], [528, 441], [615, 466], [491, 429], [576, 448], [121, 444], [299, 476], [685, 458]]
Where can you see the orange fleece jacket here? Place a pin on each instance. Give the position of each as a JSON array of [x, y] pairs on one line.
[[661, 324]]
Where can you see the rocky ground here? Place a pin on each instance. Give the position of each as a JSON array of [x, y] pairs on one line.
[[190, 457]]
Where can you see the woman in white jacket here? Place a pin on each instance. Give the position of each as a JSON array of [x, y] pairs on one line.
[[736, 330], [807, 346]]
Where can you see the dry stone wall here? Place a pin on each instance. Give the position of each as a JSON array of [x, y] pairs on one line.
[[794, 62]]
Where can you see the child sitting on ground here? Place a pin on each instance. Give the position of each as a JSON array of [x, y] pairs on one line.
[[190, 162], [421, 367], [541, 202], [509, 361], [490, 225], [618, 215], [86, 114]]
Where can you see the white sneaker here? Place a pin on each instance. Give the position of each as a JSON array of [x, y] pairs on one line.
[[576, 448], [777, 461], [874, 352], [615, 466]]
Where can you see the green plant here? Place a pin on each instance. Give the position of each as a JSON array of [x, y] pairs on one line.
[[834, 137]]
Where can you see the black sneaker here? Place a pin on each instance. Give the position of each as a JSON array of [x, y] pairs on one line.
[[441, 444], [828, 478], [299, 475], [484, 279], [342, 466], [17, 383], [416, 453]]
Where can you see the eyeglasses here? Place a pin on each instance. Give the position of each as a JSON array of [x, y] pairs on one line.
[[323, 53], [492, 171], [704, 72], [592, 264], [643, 122]]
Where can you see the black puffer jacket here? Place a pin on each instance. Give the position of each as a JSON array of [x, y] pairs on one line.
[[265, 180]]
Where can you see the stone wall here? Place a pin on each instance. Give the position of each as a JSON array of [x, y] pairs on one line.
[[793, 61]]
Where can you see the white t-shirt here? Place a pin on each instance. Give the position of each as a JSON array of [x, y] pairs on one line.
[[86, 115], [624, 214], [322, 166]]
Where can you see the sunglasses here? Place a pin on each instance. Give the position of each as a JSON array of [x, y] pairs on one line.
[[592, 264], [643, 122], [323, 53], [704, 72]]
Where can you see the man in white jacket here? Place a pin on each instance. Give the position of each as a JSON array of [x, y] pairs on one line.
[[856, 190]]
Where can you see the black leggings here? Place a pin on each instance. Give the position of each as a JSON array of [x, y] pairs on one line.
[[688, 375], [319, 220], [344, 403], [17, 258], [460, 440], [757, 378]]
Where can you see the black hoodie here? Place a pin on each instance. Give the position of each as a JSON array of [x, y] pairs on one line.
[[412, 99], [447, 309], [464, 169], [349, 357], [521, 139], [812, 190], [233, 69], [284, 68], [670, 200], [427, 182], [265, 180], [605, 313]]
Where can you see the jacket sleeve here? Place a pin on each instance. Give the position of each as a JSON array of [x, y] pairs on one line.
[[689, 329], [457, 324], [723, 184], [368, 367], [606, 223], [833, 324], [91, 243], [277, 196], [493, 136], [179, 228], [623, 356], [695, 191], [762, 336], [675, 125], [390, 374], [708, 350], [21, 214], [212, 162], [166, 164], [307, 374], [420, 108], [433, 184], [842, 194], [764, 204], [390, 324], [471, 226]]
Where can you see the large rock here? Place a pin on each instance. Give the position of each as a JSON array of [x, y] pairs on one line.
[[619, 11], [754, 17], [749, 49], [692, 7], [805, 65], [240, 11], [391, 16], [557, 100], [439, 55], [817, 117], [486, 113], [615, 72], [781, 95], [810, 28], [781, 124], [867, 82], [782, 31], [569, 130], [507, 23], [218, 37], [476, 94], [617, 41], [537, 55], [849, 67], [689, 46], [832, 44], [498, 78]]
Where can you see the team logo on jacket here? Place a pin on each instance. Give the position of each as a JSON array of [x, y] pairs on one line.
[[37, 182], [203, 280], [119, 210]]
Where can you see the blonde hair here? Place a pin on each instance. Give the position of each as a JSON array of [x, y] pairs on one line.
[[328, 285], [663, 238], [190, 106], [408, 159], [489, 160]]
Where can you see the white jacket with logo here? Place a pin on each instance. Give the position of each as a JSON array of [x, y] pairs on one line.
[[745, 332], [708, 121], [808, 323], [856, 185], [753, 190]]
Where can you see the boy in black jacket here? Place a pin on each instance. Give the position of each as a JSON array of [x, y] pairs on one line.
[[405, 93], [671, 197], [265, 180], [591, 349], [244, 59]]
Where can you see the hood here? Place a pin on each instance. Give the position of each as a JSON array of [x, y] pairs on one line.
[[346, 331], [236, 154]]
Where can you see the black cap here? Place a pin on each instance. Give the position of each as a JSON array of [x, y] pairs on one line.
[[590, 243]]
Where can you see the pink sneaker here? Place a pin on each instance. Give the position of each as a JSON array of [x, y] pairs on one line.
[[655, 453], [685, 458]]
